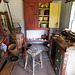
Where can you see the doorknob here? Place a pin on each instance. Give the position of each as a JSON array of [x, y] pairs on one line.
[[56, 24]]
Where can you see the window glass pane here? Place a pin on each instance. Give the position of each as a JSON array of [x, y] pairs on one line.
[[73, 26]]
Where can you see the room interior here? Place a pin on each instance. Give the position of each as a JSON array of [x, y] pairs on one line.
[[37, 37]]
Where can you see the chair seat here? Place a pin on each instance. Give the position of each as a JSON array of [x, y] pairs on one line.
[[34, 51]]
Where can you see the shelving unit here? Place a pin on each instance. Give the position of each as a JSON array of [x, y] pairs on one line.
[[43, 21], [40, 12], [45, 8], [41, 40], [44, 14]]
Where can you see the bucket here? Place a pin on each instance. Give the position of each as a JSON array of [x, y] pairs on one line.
[[20, 39], [28, 46], [12, 58], [13, 49]]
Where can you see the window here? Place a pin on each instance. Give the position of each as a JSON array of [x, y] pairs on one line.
[[72, 18]]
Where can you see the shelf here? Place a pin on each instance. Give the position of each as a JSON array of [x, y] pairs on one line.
[[43, 21], [44, 8], [37, 40], [39, 28], [43, 15]]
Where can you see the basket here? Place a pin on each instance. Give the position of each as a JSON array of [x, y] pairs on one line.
[[60, 38], [12, 48], [17, 27]]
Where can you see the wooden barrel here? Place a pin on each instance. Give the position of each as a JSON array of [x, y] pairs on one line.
[[20, 39]]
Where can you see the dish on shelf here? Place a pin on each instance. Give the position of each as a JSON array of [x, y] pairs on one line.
[[43, 36], [37, 39], [45, 18], [41, 12], [40, 18], [43, 25], [44, 6]]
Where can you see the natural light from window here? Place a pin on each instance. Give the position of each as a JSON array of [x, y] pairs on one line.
[[72, 18]]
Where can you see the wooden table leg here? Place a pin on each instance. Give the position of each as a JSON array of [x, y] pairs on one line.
[[33, 65], [26, 61], [41, 59]]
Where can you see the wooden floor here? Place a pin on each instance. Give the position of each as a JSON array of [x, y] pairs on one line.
[[7, 69], [46, 70]]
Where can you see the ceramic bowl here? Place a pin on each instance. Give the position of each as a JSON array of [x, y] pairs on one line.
[[43, 25], [44, 6], [45, 18], [40, 18], [41, 12]]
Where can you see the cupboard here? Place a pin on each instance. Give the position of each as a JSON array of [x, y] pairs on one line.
[[41, 15], [54, 19], [57, 55], [31, 15]]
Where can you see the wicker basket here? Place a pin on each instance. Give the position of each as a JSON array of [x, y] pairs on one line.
[[17, 27], [13, 49]]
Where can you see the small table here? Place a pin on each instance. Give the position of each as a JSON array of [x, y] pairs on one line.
[[34, 52]]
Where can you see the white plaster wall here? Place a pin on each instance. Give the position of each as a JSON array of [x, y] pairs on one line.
[[36, 33], [16, 8], [2, 6]]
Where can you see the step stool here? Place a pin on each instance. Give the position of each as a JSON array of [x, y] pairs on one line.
[[34, 52]]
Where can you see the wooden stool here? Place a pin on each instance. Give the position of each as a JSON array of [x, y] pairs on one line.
[[34, 52]]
